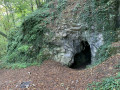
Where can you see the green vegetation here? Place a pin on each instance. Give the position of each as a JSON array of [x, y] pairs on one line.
[[28, 42], [111, 83], [3, 43], [102, 15], [25, 45], [24, 38]]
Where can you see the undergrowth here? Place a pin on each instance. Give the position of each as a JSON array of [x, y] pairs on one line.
[[110, 83], [101, 15], [3, 46], [29, 44]]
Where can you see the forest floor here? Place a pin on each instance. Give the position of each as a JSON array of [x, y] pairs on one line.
[[53, 76]]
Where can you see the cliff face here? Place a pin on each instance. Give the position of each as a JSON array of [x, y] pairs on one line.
[[94, 22], [82, 27]]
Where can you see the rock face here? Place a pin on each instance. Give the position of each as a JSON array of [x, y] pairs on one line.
[[93, 25], [69, 41]]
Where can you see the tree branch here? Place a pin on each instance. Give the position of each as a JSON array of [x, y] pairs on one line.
[[4, 35]]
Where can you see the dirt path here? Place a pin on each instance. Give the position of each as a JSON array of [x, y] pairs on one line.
[[53, 76]]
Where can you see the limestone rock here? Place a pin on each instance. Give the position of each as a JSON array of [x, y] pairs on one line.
[[76, 28], [69, 41]]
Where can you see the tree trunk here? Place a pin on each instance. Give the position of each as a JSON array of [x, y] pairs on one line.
[[4, 35], [38, 3], [13, 17], [7, 13], [31, 4]]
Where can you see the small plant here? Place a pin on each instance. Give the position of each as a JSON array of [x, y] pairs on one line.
[[23, 49], [111, 83]]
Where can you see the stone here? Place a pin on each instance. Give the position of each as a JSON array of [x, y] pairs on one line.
[[76, 25], [64, 35], [76, 28], [62, 50], [71, 44], [29, 73], [25, 84]]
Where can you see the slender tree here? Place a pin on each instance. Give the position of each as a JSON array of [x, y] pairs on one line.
[[7, 13], [38, 3], [12, 13], [31, 4]]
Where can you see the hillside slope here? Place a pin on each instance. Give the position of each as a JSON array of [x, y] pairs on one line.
[[53, 76], [44, 35]]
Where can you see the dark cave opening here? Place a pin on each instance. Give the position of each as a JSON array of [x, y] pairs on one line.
[[83, 58]]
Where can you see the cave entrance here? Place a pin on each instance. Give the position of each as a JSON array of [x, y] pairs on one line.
[[83, 58]]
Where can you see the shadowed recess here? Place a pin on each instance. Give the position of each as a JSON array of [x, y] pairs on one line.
[[83, 58]]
